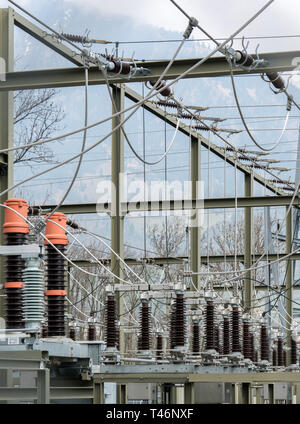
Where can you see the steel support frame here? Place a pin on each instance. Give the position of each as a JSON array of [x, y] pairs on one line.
[[71, 77], [117, 218], [6, 122], [248, 219], [289, 281]]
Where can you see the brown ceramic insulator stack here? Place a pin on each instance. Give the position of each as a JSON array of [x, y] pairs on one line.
[[236, 347], [209, 326], [179, 335], [255, 356], [110, 322], [172, 327], [226, 336], [264, 343], [217, 339], [196, 337], [56, 272], [293, 352], [159, 347], [165, 92], [246, 340], [280, 359], [274, 357], [284, 358], [145, 326], [44, 333], [72, 333], [252, 348], [16, 230], [91, 332]]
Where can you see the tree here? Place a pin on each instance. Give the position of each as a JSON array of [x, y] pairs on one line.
[[37, 116]]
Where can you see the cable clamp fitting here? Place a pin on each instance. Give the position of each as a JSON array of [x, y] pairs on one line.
[[192, 24]]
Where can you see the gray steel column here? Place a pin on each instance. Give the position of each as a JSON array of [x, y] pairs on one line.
[[289, 280], [117, 220], [6, 120], [195, 233], [248, 217], [43, 386]]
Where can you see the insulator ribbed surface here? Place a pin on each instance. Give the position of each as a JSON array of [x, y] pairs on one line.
[[145, 327], [14, 296], [172, 327], [196, 338], [111, 333], [226, 336], [56, 275], [294, 359], [246, 341], [280, 359], [264, 343], [34, 305], [217, 339], [179, 335], [91, 332], [236, 346], [159, 347], [209, 326]]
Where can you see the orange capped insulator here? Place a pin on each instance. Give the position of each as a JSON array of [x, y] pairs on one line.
[[55, 233], [13, 222]]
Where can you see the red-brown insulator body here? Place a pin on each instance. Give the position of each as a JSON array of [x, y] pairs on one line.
[[172, 327], [159, 347], [255, 356], [264, 343], [276, 80], [236, 346], [217, 339], [246, 341], [72, 333], [196, 338], [14, 286], [91, 332], [252, 348], [110, 322], [121, 67], [226, 336], [167, 104], [166, 92], [294, 358], [245, 60], [280, 358], [274, 357], [145, 326], [210, 326], [179, 335]]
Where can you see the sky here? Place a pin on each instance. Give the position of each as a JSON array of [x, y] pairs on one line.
[[132, 21]]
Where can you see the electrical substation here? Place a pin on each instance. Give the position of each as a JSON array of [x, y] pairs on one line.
[[227, 334]]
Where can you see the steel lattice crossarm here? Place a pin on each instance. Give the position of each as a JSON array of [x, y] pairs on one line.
[[164, 205], [72, 77]]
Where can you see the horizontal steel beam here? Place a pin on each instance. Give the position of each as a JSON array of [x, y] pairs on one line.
[[179, 260], [23, 393], [165, 205], [263, 377], [72, 77]]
